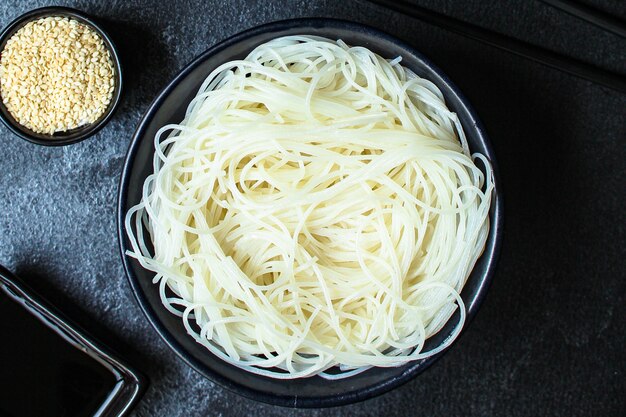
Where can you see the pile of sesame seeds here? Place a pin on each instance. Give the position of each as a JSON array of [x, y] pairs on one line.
[[56, 74]]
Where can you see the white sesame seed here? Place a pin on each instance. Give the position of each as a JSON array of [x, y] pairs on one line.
[[56, 74]]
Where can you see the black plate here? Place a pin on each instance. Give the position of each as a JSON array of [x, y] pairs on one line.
[[170, 106]]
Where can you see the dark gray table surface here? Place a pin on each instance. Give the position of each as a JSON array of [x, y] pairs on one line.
[[550, 338]]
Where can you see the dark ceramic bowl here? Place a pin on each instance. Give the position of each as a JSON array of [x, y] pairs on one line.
[[170, 106], [81, 132]]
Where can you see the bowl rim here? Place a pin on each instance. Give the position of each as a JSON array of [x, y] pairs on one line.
[[492, 249], [82, 132]]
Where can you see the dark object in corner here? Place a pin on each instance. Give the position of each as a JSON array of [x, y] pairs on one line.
[[601, 19], [49, 367], [506, 43]]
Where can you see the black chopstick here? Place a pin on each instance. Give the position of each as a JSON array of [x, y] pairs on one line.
[[538, 54], [591, 15]]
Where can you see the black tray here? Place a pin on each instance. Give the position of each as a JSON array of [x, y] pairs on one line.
[[119, 385]]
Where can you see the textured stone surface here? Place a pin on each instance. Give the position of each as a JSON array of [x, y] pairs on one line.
[[549, 340]]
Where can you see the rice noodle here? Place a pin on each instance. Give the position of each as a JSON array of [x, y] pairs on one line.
[[317, 212]]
